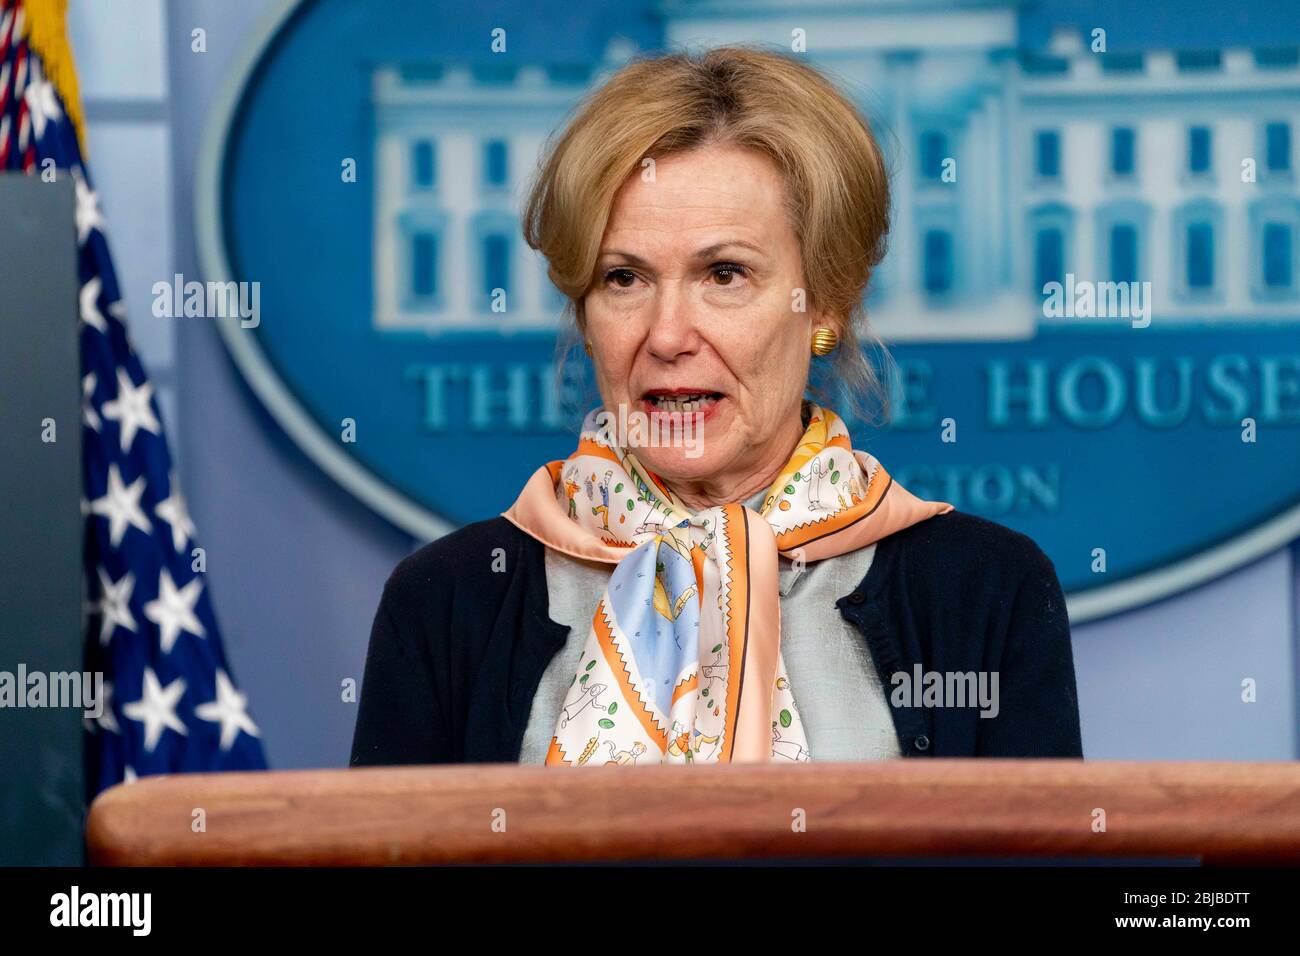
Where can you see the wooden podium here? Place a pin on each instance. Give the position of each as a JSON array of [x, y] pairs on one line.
[[503, 813]]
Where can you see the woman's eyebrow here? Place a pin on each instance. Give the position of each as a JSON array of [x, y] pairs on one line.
[[708, 252], [631, 258]]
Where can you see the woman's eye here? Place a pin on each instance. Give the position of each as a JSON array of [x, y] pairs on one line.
[[726, 273], [623, 278]]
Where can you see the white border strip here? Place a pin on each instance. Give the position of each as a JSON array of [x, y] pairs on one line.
[[423, 524]]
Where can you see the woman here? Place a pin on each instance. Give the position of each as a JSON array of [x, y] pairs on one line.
[[735, 583]]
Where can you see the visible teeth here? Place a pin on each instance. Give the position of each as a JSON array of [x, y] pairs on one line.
[[683, 403]]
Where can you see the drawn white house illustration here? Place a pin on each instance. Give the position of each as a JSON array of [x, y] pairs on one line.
[[1012, 167]]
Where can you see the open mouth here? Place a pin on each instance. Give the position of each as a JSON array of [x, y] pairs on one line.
[[681, 400]]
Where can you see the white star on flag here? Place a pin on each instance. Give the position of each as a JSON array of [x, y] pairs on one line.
[[115, 604], [121, 506], [156, 708], [89, 300], [88, 215], [88, 413], [132, 409], [106, 718], [42, 103], [173, 610], [173, 511], [230, 708]]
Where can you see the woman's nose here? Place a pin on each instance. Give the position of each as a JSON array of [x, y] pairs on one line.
[[673, 332]]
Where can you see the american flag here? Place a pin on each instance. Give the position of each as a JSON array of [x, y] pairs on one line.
[[172, 703]]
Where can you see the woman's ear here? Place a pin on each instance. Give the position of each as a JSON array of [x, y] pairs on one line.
[[820, 318], [826, 320]]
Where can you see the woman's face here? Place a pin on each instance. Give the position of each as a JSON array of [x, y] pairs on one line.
[[695, 295]]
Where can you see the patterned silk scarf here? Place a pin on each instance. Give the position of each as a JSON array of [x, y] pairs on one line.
[[683, 660]]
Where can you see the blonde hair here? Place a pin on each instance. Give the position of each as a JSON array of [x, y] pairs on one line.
[[837, 188]]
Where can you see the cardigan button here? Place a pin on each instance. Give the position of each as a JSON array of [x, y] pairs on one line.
[[857, 597], [922, 742]]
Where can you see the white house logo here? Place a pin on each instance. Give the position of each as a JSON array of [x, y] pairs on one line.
[[1093, 288]]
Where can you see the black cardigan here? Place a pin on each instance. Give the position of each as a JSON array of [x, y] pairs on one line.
[[461, 638]]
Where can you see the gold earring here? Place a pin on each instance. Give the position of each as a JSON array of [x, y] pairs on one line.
[[587, 346], [824, 341]]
